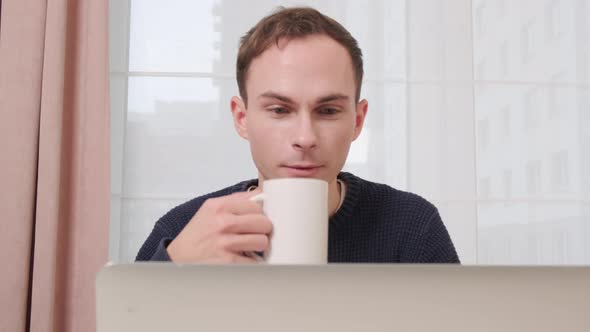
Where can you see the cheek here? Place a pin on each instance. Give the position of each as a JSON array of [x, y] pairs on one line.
[[260, 130], [338, 136], [264, 137]]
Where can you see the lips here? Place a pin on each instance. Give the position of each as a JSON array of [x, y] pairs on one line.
[[302, 170]]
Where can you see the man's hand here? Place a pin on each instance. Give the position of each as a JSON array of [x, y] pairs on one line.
[[222, 230]]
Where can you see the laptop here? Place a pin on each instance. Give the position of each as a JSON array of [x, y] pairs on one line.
[[156, 297]]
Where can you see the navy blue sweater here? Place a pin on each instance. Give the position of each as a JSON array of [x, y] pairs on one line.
[[375, 224]]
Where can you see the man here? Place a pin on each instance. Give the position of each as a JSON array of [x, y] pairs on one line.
[[299, 76]]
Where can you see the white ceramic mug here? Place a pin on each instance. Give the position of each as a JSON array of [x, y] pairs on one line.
[[298, 210]]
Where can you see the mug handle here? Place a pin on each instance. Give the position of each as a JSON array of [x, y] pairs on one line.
[[258, 198]]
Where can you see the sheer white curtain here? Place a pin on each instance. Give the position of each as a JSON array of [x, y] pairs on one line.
[[533, 125], [480, 106]]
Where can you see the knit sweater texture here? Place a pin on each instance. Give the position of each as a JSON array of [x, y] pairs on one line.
[[375, 224]]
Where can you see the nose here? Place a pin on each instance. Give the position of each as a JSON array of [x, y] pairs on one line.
[[305, 137]]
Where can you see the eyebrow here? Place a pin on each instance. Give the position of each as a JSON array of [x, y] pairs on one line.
[[321, 100], [274, 95], [332, 97]]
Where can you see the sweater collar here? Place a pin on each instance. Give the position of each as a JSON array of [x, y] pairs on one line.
[[349, 205]]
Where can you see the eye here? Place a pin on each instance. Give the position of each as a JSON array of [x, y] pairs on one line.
[[278, 110], [328, 111]]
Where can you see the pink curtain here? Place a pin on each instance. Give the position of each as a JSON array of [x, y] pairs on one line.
[[54, 166]]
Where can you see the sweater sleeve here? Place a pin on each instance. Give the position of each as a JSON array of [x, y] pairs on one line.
[[437, 246], [161, 254], [154, 247]]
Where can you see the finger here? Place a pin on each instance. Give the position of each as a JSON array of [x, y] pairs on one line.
[[238, 243], [240, 203], [241, 259], [248, 224], [254, 255], [241, 195], [231, 258]]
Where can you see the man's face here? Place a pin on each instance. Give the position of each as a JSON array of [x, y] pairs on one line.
[[301, 115]]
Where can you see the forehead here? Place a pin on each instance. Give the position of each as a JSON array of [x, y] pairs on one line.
[[302, 68]]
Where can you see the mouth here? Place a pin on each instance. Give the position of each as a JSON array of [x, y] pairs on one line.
[[302, 170]]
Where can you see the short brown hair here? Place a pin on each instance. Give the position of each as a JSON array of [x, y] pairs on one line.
[[290, 23]]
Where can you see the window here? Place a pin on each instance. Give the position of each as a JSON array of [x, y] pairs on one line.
[[481, 69], [504, 58], [553, 28], [554, 108], [533, 177], [531, 107], [480, 18], [507, 179], [172, 74], [485, 188], [560, 245], [484, 133], [526, 42], [560, 176], [506, 121], [501, 6]]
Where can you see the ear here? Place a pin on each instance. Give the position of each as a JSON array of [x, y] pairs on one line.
[[361, 112], [238, 110]]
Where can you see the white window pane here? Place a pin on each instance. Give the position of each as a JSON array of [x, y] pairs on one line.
[[533, 232], [379, 27], [203, 36], [379, 154], [173, 36], [532, 40], [507, 178], [180, 132], [560, 171], [540, 217]]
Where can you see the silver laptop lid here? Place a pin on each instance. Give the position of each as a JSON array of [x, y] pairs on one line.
[[165, 297]]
